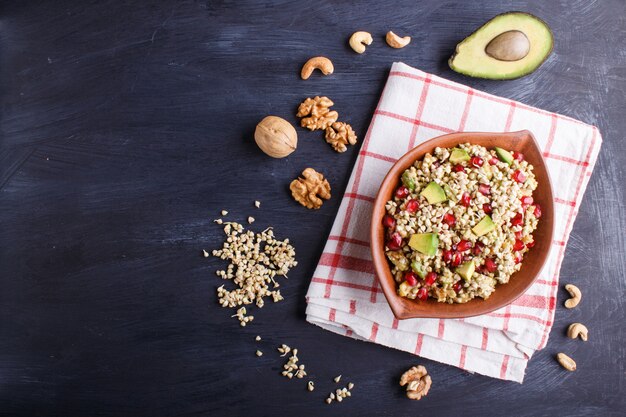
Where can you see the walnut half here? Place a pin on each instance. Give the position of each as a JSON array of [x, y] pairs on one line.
[[417, 382], [340, 134], [318, 111], [306, 190]]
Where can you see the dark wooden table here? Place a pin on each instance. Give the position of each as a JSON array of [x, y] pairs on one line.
[[127, 126]]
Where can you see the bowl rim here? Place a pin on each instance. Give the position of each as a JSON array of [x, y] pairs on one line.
[[397, 303]]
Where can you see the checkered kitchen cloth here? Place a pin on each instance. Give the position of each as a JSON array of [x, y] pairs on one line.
[[344, 296]]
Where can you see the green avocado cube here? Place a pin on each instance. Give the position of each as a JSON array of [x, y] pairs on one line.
[[484, 226], [434, 193], [459, 155], [425, 243], [408, 181], [449, 193], [466, 270], [504, 156], [419, 269]]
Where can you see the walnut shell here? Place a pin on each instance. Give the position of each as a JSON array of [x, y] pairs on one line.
[[276, 137]]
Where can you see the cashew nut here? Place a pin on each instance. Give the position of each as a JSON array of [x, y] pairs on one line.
[[566, 362], [319, 62], [395, 41], [358, 40], [576, 295], [577, 329]]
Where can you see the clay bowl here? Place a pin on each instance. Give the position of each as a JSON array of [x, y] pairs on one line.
[[534, 260]]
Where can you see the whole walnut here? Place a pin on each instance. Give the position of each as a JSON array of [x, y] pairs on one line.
[[276, 137]]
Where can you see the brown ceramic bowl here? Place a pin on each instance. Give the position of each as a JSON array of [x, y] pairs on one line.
[[404, 308]]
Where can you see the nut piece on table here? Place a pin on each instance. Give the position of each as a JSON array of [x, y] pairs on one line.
[[339, 134], [566, 362], [319, 62], [276, 137], [318, 111], [576, 295], [395, 41], [306, 190], [577, 329], [358, 40], [417, 381]]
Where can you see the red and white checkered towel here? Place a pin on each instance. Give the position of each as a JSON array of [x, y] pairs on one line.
[[344, 296]]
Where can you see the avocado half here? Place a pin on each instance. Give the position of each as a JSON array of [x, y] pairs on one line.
[[511, 45]]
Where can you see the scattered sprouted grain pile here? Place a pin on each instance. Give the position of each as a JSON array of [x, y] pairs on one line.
[[254, 262]]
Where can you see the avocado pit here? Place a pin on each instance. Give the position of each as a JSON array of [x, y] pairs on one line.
[[512, 45]]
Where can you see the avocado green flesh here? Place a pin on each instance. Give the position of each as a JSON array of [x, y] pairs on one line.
[[419, 269], [471, 59], [425, 243], [449, 193], [466, 270], [504, 156], [484, 226], [459, 155], [434, 193]]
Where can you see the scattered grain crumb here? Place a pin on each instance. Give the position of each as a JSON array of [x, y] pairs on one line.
[[224, 212], [218, 221], [310, 386], [257, 204], [259, 353], [205, 253], [328, 401], [258, 338], [291, 368], [350, 385], [250, 219], [255, 260], [337, 379]]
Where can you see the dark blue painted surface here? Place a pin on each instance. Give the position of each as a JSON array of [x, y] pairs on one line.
[[127, 126]]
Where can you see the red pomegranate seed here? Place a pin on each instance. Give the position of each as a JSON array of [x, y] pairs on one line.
[[487, 208], [457, 258], [422, 294], [518, 156], [430, 278], [389, 221], [518, 245], [530, 244], [411, 278], [519, 176], [449, 219], [402, 192], [476, 161], [537, 210], [517, 220], [518, 234], [518, 257], [484, 189], [395, 241], [526, 201], [447, 256], [491, 265], [465, 200], [412, 205], [493, 160], [478, 248], [457, 286], [464, 245], [458, 168]]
